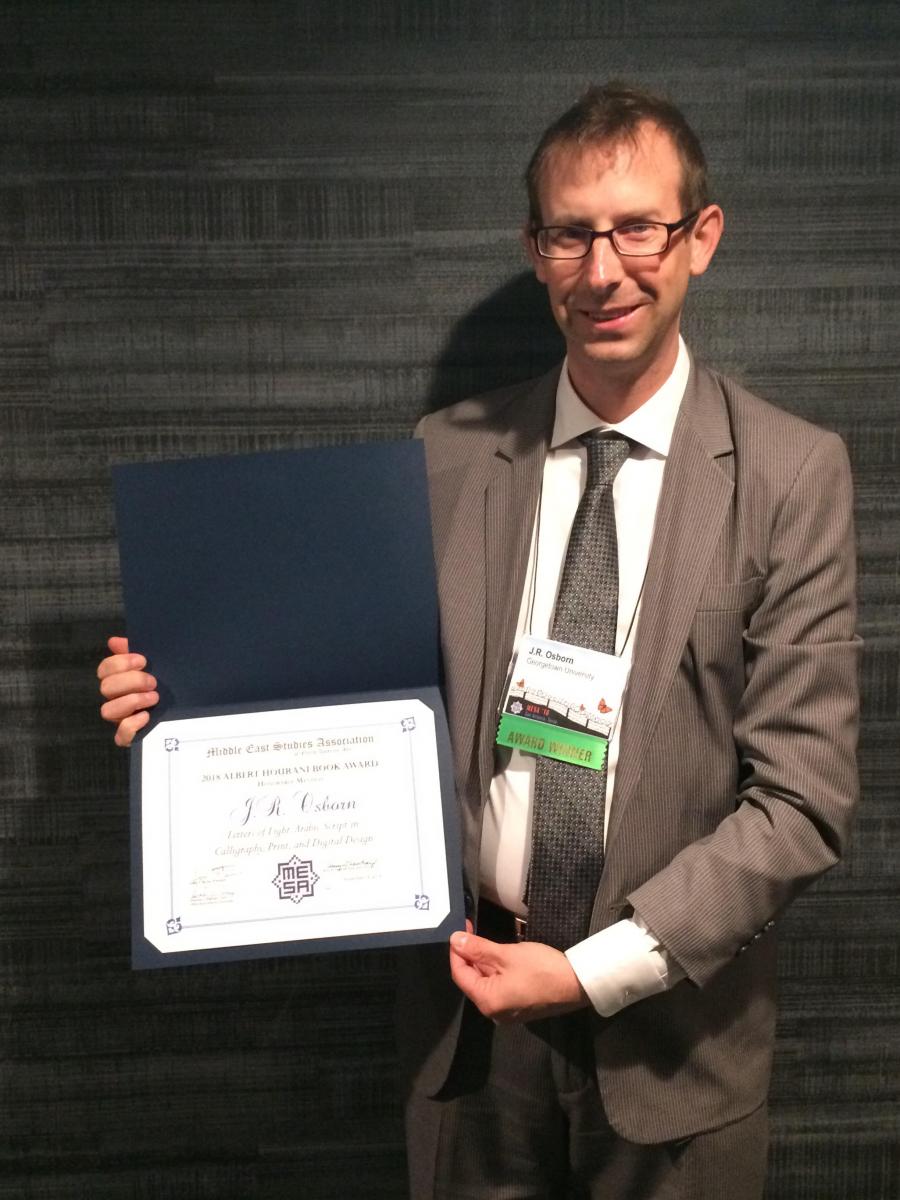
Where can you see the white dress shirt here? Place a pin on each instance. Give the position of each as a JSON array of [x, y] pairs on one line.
[[625, 962]]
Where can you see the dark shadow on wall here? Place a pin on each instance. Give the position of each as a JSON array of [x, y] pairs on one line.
[[508, 337]]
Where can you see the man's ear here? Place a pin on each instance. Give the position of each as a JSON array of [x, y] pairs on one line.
[[705, 237], [537, 262]]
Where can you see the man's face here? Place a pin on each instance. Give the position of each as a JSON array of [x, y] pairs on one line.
[[620, 315]]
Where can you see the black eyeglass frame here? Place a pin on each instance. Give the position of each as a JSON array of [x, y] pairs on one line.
[[669, 226]]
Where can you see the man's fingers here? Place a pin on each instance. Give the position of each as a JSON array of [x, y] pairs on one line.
[[126, 706], [486, 955], [128, 728], [468, 978], [468, 945], [470, 962], [481, 988], [127, 689], [126, 682], [116, 664]]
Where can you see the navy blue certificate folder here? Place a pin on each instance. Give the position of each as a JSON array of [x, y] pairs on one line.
[[256, 581], [290, 573]]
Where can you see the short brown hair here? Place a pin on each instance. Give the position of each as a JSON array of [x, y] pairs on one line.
[[612, 112]]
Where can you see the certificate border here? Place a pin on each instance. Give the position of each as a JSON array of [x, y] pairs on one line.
[[144, 955], [325, 727]]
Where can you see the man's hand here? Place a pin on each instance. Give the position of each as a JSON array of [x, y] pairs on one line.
[[127, 689], [525, 981]]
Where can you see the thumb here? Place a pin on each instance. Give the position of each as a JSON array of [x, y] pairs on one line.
[[473, 948]]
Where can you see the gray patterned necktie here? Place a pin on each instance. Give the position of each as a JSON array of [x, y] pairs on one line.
[[569, 801]]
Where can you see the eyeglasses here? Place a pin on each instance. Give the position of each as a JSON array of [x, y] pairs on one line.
[[634, 239]]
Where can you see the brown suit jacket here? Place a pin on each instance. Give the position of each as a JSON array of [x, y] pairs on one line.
[[736, 777]]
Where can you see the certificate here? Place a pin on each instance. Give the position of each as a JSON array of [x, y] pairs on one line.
[[295, 829], [293, 791]]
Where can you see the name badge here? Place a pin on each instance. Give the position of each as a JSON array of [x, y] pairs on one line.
[[561, 701]]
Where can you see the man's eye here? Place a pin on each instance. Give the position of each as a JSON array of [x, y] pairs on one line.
[[637, 230], [569, 234]]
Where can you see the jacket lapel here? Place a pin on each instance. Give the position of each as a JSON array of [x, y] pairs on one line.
[[510, 503], [481, 578], [694, 500]]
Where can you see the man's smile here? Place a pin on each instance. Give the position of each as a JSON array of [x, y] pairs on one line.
[[609, 318]]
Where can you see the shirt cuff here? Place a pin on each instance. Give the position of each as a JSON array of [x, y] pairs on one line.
[[622, 964]]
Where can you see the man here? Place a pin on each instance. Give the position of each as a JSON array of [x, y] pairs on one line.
[[616, 1040]]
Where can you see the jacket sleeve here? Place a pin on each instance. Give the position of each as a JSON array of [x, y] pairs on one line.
[[795, 732]]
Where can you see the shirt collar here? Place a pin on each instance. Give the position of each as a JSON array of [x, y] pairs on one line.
[[651, 425]]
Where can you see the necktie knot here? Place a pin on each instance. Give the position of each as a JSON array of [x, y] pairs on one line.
[[606, 452]]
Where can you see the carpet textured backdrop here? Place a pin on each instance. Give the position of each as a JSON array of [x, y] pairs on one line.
[[235, 226]]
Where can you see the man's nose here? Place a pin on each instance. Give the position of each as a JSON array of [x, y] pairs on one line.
[[602, 265]]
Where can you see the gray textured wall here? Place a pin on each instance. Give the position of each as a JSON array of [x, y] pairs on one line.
[[232, 226]]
